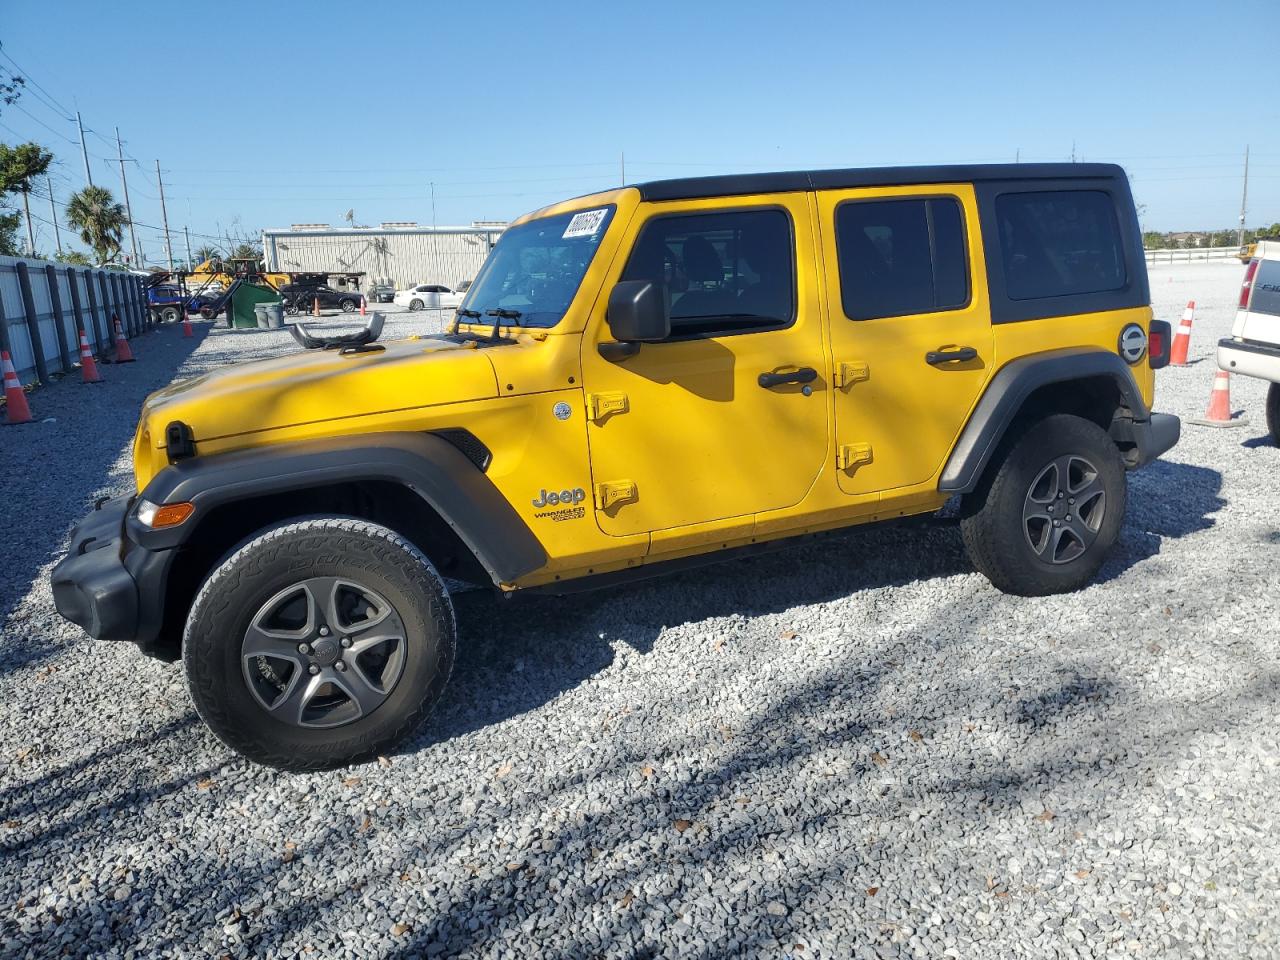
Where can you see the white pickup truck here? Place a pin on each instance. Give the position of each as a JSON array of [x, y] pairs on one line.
[[1253, 349]]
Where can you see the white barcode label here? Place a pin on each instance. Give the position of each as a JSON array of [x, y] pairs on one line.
[[585, 224]]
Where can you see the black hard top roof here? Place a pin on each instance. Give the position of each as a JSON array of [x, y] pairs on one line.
[[747, 183]]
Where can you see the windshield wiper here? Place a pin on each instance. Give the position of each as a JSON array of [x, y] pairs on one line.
[[463, 312], [498, 316]]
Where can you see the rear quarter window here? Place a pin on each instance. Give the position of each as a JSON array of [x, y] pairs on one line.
[[1059, 243]]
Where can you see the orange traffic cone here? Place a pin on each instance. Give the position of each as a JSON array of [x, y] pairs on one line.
[[362, 306], [16, 409], [1182, 339], [88, 368], [315, 307], [186, 323], [1219, 412], [123, 353]]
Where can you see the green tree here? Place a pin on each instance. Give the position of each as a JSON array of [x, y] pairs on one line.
[[19, 166], [11, 86], [1153, 240], [245, 251], [9, 224], [74, 258], [100, 219]]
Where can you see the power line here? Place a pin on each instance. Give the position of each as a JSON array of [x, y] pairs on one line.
[[26, 75], [56, 133]]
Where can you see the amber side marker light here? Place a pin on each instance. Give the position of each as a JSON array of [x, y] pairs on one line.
[[169, 515]]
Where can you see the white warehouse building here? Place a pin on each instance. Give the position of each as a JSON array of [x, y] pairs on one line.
[[402, 254]]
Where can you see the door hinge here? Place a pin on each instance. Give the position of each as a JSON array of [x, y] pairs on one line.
[[850, 372], [602, 405], [852, 455], [614, 492]]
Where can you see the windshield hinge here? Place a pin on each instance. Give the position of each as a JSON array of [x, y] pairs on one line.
[[853, 455], [850, 372], [600, 406], [614, 492]]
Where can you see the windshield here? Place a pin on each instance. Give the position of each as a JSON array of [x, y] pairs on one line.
[[535, 268]]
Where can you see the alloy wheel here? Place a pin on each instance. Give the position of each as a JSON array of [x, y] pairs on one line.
[[323, 652], [1064, 509]]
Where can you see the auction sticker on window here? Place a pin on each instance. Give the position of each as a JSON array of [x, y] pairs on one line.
[[585, 224]]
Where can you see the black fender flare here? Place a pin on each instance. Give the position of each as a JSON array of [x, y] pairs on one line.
[[427, 464], [1009, 390]]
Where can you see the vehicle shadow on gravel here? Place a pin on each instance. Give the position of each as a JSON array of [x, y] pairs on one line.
[[904, 779], [516, 656], [54, 471], [1167, 500]]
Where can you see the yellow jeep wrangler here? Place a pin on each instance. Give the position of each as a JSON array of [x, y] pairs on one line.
[[637, 379]]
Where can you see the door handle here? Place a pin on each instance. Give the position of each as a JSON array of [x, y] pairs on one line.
[[960, 355], [803, 375]]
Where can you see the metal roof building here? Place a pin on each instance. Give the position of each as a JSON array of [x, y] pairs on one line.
[[402, 254]]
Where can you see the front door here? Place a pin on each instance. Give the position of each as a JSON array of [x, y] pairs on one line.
[[728, 417], [911, 337]]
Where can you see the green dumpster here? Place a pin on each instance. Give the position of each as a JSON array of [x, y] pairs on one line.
[[240, 312]]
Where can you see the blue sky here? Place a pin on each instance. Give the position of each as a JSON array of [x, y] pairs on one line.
[[272, 113]]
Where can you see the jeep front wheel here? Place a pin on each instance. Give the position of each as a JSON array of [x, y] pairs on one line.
[[1045, 517], [319, 643]]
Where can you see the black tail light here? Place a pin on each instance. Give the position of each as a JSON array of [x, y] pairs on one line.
[[1159, 340]]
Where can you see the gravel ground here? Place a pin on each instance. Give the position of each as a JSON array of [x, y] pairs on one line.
[[857, 748]]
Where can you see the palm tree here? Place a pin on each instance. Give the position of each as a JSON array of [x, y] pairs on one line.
[[101, 221], [204, 253]]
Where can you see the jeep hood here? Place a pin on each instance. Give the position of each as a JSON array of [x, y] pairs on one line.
[[319, 385]]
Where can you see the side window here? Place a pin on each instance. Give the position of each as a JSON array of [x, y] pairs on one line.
[[901, 257], [723, 273], [1060, 243]]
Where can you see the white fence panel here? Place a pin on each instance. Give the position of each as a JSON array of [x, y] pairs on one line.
[[1187, 254], [41, 331]]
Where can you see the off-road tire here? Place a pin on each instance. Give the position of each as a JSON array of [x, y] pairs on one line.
[[1273, 412], [270, 562], [992, 523]]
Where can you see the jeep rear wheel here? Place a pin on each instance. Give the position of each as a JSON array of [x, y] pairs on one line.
[[1045, 516], [319, 643]]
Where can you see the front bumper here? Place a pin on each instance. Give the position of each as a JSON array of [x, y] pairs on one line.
[[110, 585], [1248, 357]]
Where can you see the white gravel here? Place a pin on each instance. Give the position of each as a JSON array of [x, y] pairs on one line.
[[857, 748]]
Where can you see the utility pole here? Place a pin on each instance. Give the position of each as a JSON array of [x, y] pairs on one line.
[[84, 151], [1017, 156], [53, 214], [433, 204], [26, 207], [164, 214], [133, 240], [1244, 197], [186, 233]]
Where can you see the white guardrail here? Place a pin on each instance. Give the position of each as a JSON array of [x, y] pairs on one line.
[[1180, 254], [44, 305]]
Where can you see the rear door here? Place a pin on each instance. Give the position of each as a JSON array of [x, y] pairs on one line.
[[911, 334]]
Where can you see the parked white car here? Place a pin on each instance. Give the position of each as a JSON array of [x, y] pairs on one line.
[[1253, 349], [428, 296]]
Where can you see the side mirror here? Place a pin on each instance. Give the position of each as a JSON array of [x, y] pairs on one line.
[[638, 312]]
